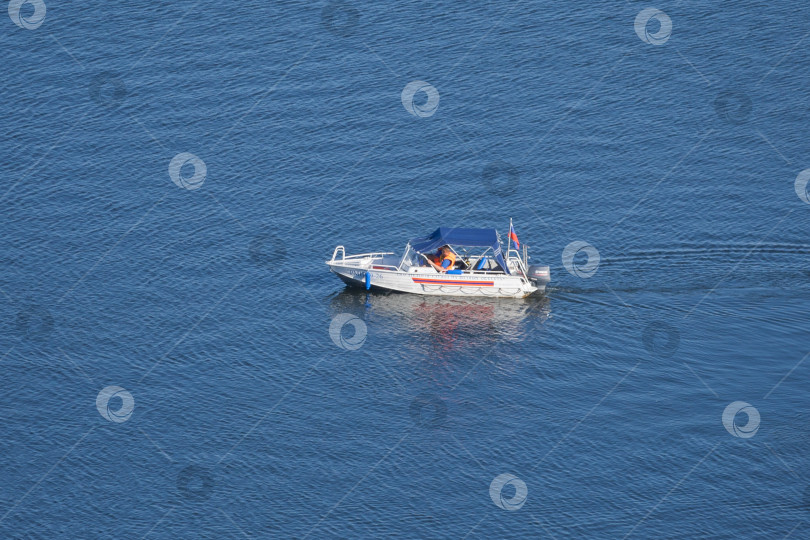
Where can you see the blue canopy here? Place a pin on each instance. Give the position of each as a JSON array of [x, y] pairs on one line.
[[461, 237]]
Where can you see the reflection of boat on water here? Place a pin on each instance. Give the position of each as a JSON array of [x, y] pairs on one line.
[[448, 322], [473, 265]]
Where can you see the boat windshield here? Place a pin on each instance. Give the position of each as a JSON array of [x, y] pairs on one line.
[[468, 259], [409, 258]]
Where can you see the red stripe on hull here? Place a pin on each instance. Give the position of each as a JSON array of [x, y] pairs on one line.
[[452, 282]]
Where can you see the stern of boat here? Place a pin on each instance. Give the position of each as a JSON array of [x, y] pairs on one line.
[[539, 276]]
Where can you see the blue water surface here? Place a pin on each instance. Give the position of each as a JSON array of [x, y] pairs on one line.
[[670, 141]]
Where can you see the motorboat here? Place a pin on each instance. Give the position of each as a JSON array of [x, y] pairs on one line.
[[481, 267]]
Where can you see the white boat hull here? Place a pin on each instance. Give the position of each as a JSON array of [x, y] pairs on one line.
[[425, 280]]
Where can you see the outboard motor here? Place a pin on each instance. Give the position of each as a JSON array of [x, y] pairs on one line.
[[540, 274]]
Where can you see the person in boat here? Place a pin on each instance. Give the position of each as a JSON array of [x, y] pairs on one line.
[[444, 259]]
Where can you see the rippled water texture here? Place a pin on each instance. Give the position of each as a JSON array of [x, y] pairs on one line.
[[177, 362]]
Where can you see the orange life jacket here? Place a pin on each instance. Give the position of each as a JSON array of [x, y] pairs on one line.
[[447, 256]]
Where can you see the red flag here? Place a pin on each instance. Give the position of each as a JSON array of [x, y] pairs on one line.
[[513, 236]]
